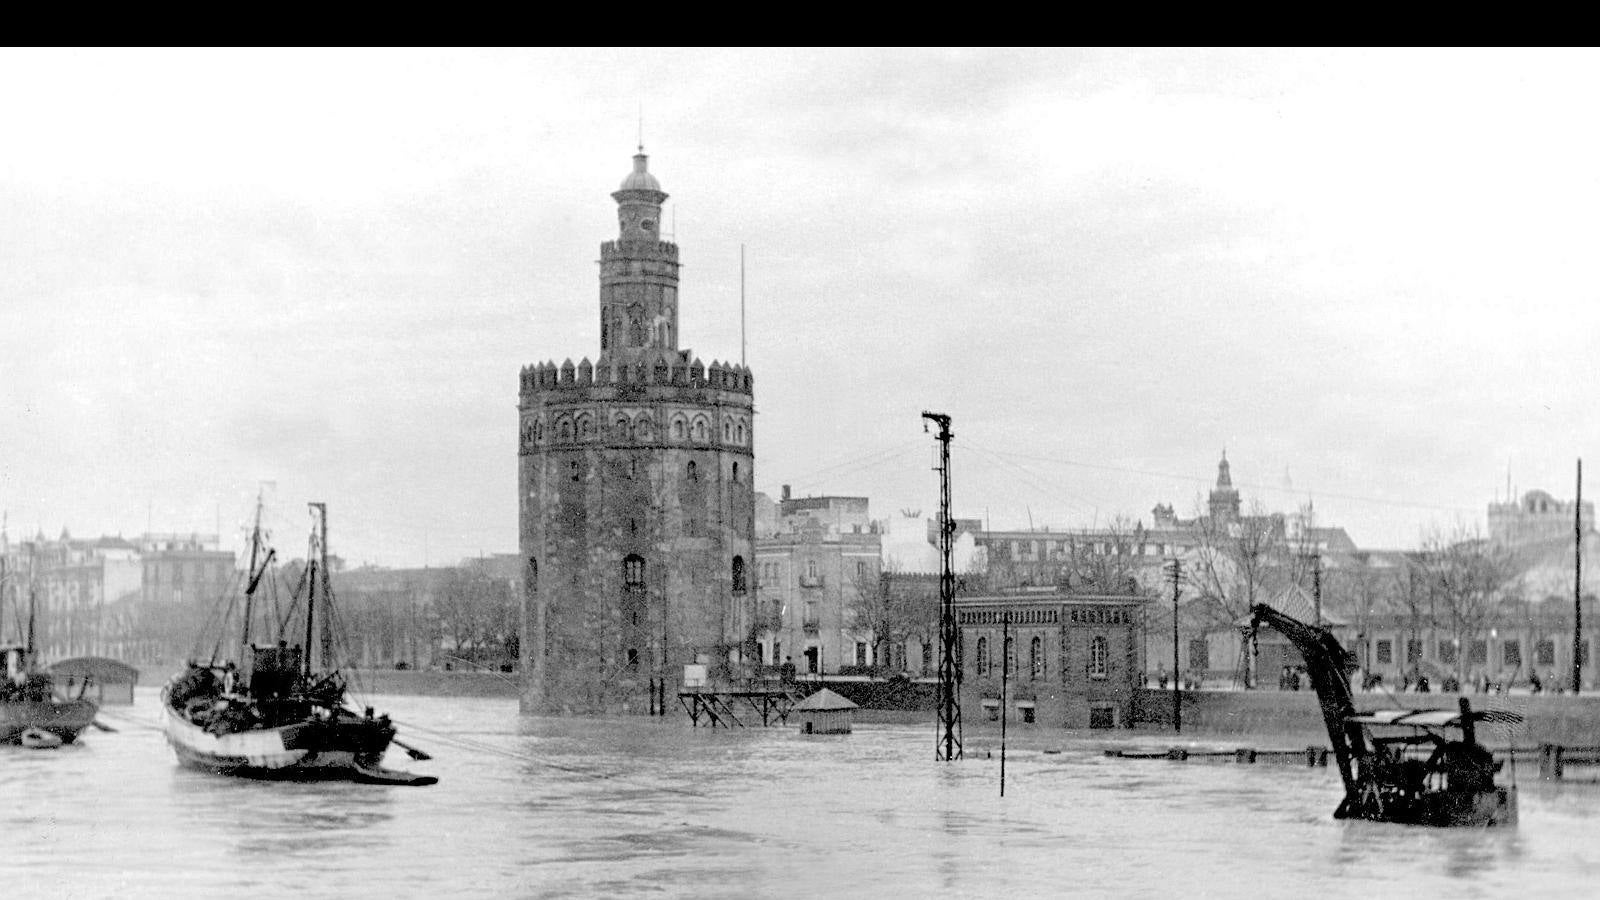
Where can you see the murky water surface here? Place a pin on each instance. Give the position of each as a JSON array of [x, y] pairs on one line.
[[642, 807]]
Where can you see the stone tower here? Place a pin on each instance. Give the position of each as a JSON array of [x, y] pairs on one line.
[[1224, 500], [635, 492]]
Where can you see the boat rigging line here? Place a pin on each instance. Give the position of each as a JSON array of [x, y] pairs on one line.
[[471, 745]]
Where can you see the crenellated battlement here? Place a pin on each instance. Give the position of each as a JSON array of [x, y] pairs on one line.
[[661, 370]]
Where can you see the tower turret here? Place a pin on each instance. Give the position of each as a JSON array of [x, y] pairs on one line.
[[638, 272]]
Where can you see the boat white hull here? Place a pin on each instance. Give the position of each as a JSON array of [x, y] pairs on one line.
[[348, 748]]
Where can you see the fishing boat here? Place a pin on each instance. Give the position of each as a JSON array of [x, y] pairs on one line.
[[273, 713], [33, 712]]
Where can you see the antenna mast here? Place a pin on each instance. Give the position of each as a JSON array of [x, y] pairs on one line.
[[948, 747]]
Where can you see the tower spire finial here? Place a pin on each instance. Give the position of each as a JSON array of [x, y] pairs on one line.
[[641, 126]]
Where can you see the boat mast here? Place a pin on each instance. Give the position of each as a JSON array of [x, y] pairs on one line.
[[311, 606], [33, 597], [325, 651], [250, 584]]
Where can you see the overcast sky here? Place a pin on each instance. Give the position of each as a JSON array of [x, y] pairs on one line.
[[1368, 274]]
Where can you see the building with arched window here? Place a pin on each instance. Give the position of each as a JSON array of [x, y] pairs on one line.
[[636, 508], [1082, 662]]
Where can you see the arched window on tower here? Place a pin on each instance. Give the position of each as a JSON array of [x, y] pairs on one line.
[[634, 627], [738, 575], [690, 469]]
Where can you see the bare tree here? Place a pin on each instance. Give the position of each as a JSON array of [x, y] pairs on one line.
[[895, 608], [1105, 561], [1472, 578], [1241, 562]]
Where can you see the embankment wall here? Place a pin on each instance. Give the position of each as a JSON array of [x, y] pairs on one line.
[[1549, 718]]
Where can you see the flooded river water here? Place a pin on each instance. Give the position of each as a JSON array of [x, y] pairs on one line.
[[628, 807]]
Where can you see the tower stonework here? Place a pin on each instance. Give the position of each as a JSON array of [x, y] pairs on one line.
[[637, 512]]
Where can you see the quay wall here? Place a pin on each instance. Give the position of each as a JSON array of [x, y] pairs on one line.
[[1549, 718], [412, 682], [402, 682], [893, 695]]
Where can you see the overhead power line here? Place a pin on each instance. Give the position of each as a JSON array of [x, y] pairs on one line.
[[1202, 480]]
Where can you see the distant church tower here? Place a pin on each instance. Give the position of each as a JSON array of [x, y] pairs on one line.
[[637, 508], [1224, 499]]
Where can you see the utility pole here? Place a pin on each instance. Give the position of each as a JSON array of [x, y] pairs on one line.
[[1577, 585], [1176, 570], [948, 748], [1005, 678]]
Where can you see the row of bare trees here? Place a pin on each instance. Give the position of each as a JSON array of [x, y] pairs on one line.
[[1456, 583]]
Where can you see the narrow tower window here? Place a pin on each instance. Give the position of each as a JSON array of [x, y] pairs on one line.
[[738, 575]]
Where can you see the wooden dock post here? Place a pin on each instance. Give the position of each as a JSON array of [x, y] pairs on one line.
[[1550, 762]]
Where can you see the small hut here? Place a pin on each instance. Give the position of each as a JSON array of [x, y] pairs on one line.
[[109, 681], [825, 713]]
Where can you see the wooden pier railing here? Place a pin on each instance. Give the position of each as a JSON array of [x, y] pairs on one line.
[[1554, 759]]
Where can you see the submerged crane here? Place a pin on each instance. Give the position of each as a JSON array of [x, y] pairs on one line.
[[1419, 777]]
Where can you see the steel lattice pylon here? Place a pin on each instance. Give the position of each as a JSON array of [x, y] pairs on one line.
[[949, 737]]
